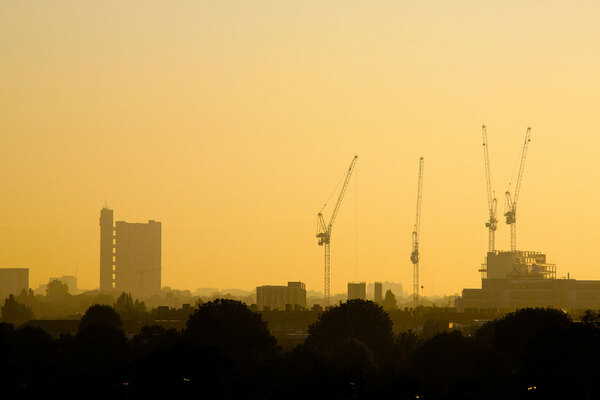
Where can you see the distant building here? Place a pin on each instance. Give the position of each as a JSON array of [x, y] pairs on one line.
[[281, 297], [378, 295], [357, 290], [517, 265], [396, 288], [69, 280], [517, 279], [107, 251], [13, 281], [130, 256]]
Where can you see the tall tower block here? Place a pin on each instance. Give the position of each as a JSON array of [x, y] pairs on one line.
[[106, 250]]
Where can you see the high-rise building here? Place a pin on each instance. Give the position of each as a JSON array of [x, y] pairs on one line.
[[13, 281], [107, 250], [357, 290], [279, 297], [378, 295], [130, 256]]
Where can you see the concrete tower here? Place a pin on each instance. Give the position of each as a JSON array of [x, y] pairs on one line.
[[106, 250]]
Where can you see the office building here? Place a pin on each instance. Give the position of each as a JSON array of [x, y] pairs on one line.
[[357, 290], [281, 297], [130, 256], [13, 281]]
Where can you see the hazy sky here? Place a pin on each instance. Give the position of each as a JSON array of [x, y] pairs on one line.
[[232, 122]]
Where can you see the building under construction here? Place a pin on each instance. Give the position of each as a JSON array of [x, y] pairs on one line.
[[517, 279]]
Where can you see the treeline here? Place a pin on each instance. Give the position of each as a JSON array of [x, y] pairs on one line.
[[59, 303], [227, 351]]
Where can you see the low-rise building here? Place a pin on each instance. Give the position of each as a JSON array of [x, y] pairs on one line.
[[281, 297]]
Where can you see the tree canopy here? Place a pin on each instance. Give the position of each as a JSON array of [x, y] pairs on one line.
[[100, 314], [57, 289], [15, 312], [234, 330], [354, 320]]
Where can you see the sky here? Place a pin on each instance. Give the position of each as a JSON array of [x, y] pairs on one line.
[[232, 123]]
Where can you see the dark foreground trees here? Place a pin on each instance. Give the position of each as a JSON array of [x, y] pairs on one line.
[[226, 351]]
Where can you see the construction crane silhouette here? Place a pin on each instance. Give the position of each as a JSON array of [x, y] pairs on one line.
[[414, 256], [492, 223], [510, 206], [324, 230]]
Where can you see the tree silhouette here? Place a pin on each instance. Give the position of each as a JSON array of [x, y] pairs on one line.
[[591, 318], [130, 310], [234, 330], [389, 301], [57, 290], [237, 346], [101, 352], [100, 314], [15, 312], [35, 359], [356, 319], [534, 347], [447, 366]]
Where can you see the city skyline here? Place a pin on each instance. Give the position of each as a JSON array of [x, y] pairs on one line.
[[233, 127]]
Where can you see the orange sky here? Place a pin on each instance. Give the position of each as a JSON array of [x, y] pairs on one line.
[[232, 122]]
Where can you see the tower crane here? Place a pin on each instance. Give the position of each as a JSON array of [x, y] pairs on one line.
[[324, 230], [492, 223], [510, 207], [414, 256]]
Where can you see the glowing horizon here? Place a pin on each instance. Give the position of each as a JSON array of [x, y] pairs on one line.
[[232, 122]]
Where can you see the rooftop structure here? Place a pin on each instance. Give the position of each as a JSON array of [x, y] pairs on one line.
[[517, 265]]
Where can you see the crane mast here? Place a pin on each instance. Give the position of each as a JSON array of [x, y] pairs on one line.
[[492, 223], [324, 230], [510, 210], [414, 256]]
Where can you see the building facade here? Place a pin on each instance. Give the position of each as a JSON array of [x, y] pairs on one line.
[[130, 256], [357, 291], [13, 281], [281, 297]]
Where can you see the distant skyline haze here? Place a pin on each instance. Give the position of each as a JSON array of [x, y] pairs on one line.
[[230, 122]]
